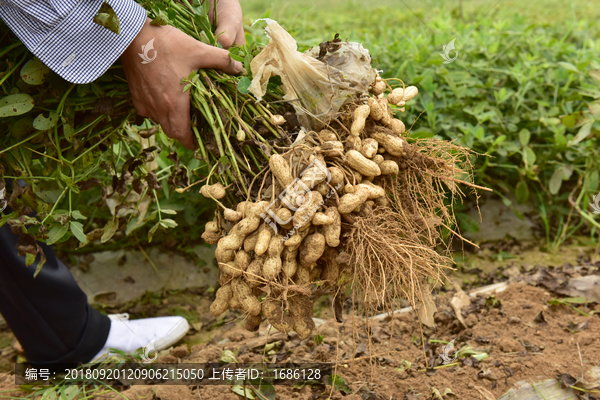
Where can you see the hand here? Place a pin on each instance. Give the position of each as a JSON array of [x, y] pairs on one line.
[[229, 22], [156, 86]]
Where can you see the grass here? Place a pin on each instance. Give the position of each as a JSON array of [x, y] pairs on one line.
[[360, 20]]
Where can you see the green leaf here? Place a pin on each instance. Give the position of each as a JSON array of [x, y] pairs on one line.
[[403, 365], [70, 392], [160, 20], [245, 392], [34, 72], [583, 133], [569, 301], [522, 192], [236, 57], [499, 140], [575, 300], [556, 181], [152, 231], [595, 109], [107, 17], [529, 157], [168, 223], [575, 119], [227, 357], [204, 24], [492, 302], [48, 191], [567, 172], [42, 123], [167, 211], [318, 339], [15, 104], [265, 391], [524, 136], [339, 383], [247, 60], [68, 130], [467, 223], [77, 215], [595, 73], [49, 394], [29, 259], [56, 233], [109, 230], [568, 66], [591, 182], [77, 230], [21, 127], [244, 85]]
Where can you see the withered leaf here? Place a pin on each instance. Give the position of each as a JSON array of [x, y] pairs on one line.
[[94, 235], [138, 185], [26, 244], [104, 106], [152, 180], [133, 165], [540, 319], [88, 184], [338, 307]]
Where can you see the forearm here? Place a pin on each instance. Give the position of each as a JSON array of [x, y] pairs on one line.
[[63, 35]]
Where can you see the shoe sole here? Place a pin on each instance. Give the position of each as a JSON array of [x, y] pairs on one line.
[[173, 336]]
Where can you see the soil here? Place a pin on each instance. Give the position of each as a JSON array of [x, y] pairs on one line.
[[526, 339]]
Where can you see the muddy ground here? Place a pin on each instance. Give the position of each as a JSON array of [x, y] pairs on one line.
[[525, 337]]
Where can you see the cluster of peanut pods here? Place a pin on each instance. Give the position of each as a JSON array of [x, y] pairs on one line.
[[271, 250]]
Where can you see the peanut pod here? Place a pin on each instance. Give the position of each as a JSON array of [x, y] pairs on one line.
[[221, 302], [301, 313], [273, 312], [360, 116], [312, 249], [369, 147], [281, 170], [362, 164], [249, 302], [392, 144], [216, 191], [332, 232], [307, 210]]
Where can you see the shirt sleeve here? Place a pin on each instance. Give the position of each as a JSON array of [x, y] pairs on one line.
[[62, 34]]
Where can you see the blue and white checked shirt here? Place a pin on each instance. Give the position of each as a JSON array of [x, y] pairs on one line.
[[62, 34]]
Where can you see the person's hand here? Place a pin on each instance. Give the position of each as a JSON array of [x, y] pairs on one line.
[[156, 86]]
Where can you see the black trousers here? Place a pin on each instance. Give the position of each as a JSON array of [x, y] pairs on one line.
[[49, 314]]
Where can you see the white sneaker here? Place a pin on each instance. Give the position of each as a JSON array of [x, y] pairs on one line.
[[128, 336]]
